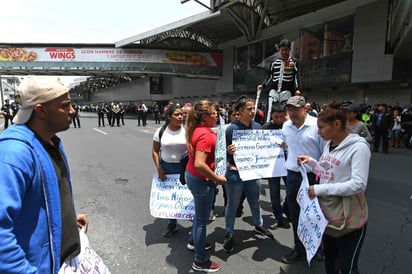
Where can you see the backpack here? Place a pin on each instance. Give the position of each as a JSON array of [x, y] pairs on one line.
[[183, 163], [183, 159], [162, 129]]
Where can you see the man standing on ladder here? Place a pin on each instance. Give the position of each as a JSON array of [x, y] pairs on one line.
[[283, 77]]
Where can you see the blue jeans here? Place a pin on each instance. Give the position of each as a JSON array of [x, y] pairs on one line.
[[234, 188], [203, 193], [170, 168], [274, 188], [293, 183]]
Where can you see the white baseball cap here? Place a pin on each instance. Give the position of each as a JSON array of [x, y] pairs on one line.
[[37, 91]]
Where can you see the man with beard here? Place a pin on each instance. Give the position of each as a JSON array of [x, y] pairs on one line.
[[39, 226]]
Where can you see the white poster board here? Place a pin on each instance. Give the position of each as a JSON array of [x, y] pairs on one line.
[[259, 153], [170, 199], [312, 223], [220, 151]]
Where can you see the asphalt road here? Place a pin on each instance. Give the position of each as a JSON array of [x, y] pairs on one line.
[[111, 170]]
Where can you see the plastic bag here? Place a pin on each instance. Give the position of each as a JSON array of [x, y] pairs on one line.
[[88, 261]]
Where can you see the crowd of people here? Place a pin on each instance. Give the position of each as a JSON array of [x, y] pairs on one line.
[[336, 132], [333, 142]]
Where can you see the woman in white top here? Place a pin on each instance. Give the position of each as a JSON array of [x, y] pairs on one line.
[[169, 144]]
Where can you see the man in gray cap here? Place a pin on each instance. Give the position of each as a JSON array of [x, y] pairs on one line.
[[39, 228], [302, 138]]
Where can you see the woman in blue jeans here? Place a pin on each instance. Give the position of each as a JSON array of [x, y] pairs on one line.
[[169, 144], [200, 176]]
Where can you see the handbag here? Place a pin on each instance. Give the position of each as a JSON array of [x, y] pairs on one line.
[[88, 261], [344, 213]]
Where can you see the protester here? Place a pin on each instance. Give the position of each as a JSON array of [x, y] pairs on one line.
[[395, 134], [39, 227], [343, 170], [235, 185], [200, 177], [283, 77], [234, 116], [353, 124], [278, 118], [169, 144], [382, 125], [301, 135]]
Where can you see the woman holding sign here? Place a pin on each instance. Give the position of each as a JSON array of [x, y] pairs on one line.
[[169, 144], [343, 170], [235, 186], [200, 176]]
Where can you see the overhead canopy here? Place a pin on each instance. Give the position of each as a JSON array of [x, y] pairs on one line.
[[226, 21]]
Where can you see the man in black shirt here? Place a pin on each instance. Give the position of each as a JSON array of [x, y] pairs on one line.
[[39, 230]]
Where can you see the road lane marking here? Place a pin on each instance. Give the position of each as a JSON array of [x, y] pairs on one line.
[[101, 131]]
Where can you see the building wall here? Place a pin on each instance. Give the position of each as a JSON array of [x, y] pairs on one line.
[[172, 87], [370, 63], [225, 84]]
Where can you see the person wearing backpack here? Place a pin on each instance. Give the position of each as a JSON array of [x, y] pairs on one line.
[[169, 144]]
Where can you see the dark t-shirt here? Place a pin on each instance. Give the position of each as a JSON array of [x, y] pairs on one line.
[[70, 240]]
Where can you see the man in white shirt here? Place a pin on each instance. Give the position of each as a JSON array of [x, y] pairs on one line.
[[302, 138]]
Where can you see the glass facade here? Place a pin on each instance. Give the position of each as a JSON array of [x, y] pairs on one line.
[[324, 51]]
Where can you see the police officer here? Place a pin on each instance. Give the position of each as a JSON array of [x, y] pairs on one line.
[[116, 114], [109, 112], [15, 106], [76, 119], [100, 113], [7, 113], [121, 112]]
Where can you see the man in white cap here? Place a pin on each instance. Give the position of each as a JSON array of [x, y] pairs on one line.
[[302, 138], [39, 227]]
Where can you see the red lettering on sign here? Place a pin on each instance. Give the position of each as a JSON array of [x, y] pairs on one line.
[[61, 53]]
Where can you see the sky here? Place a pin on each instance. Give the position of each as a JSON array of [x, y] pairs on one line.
[[87, 21]]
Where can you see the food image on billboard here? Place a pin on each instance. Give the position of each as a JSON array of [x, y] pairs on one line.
[[185, 57], [17, 55]]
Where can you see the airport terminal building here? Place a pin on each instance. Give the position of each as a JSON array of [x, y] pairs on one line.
[[357, 50]]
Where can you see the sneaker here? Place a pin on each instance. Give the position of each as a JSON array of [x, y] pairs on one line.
[[264, 232], [282, 224], [228, 244], [293, 257], [191, 246], [170, 230], [208, 266], [279, 224], [212, 216]]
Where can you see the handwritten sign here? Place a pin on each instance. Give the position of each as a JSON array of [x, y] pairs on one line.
[[170, 199], [312, 223], [258, 153], [220, 151]]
